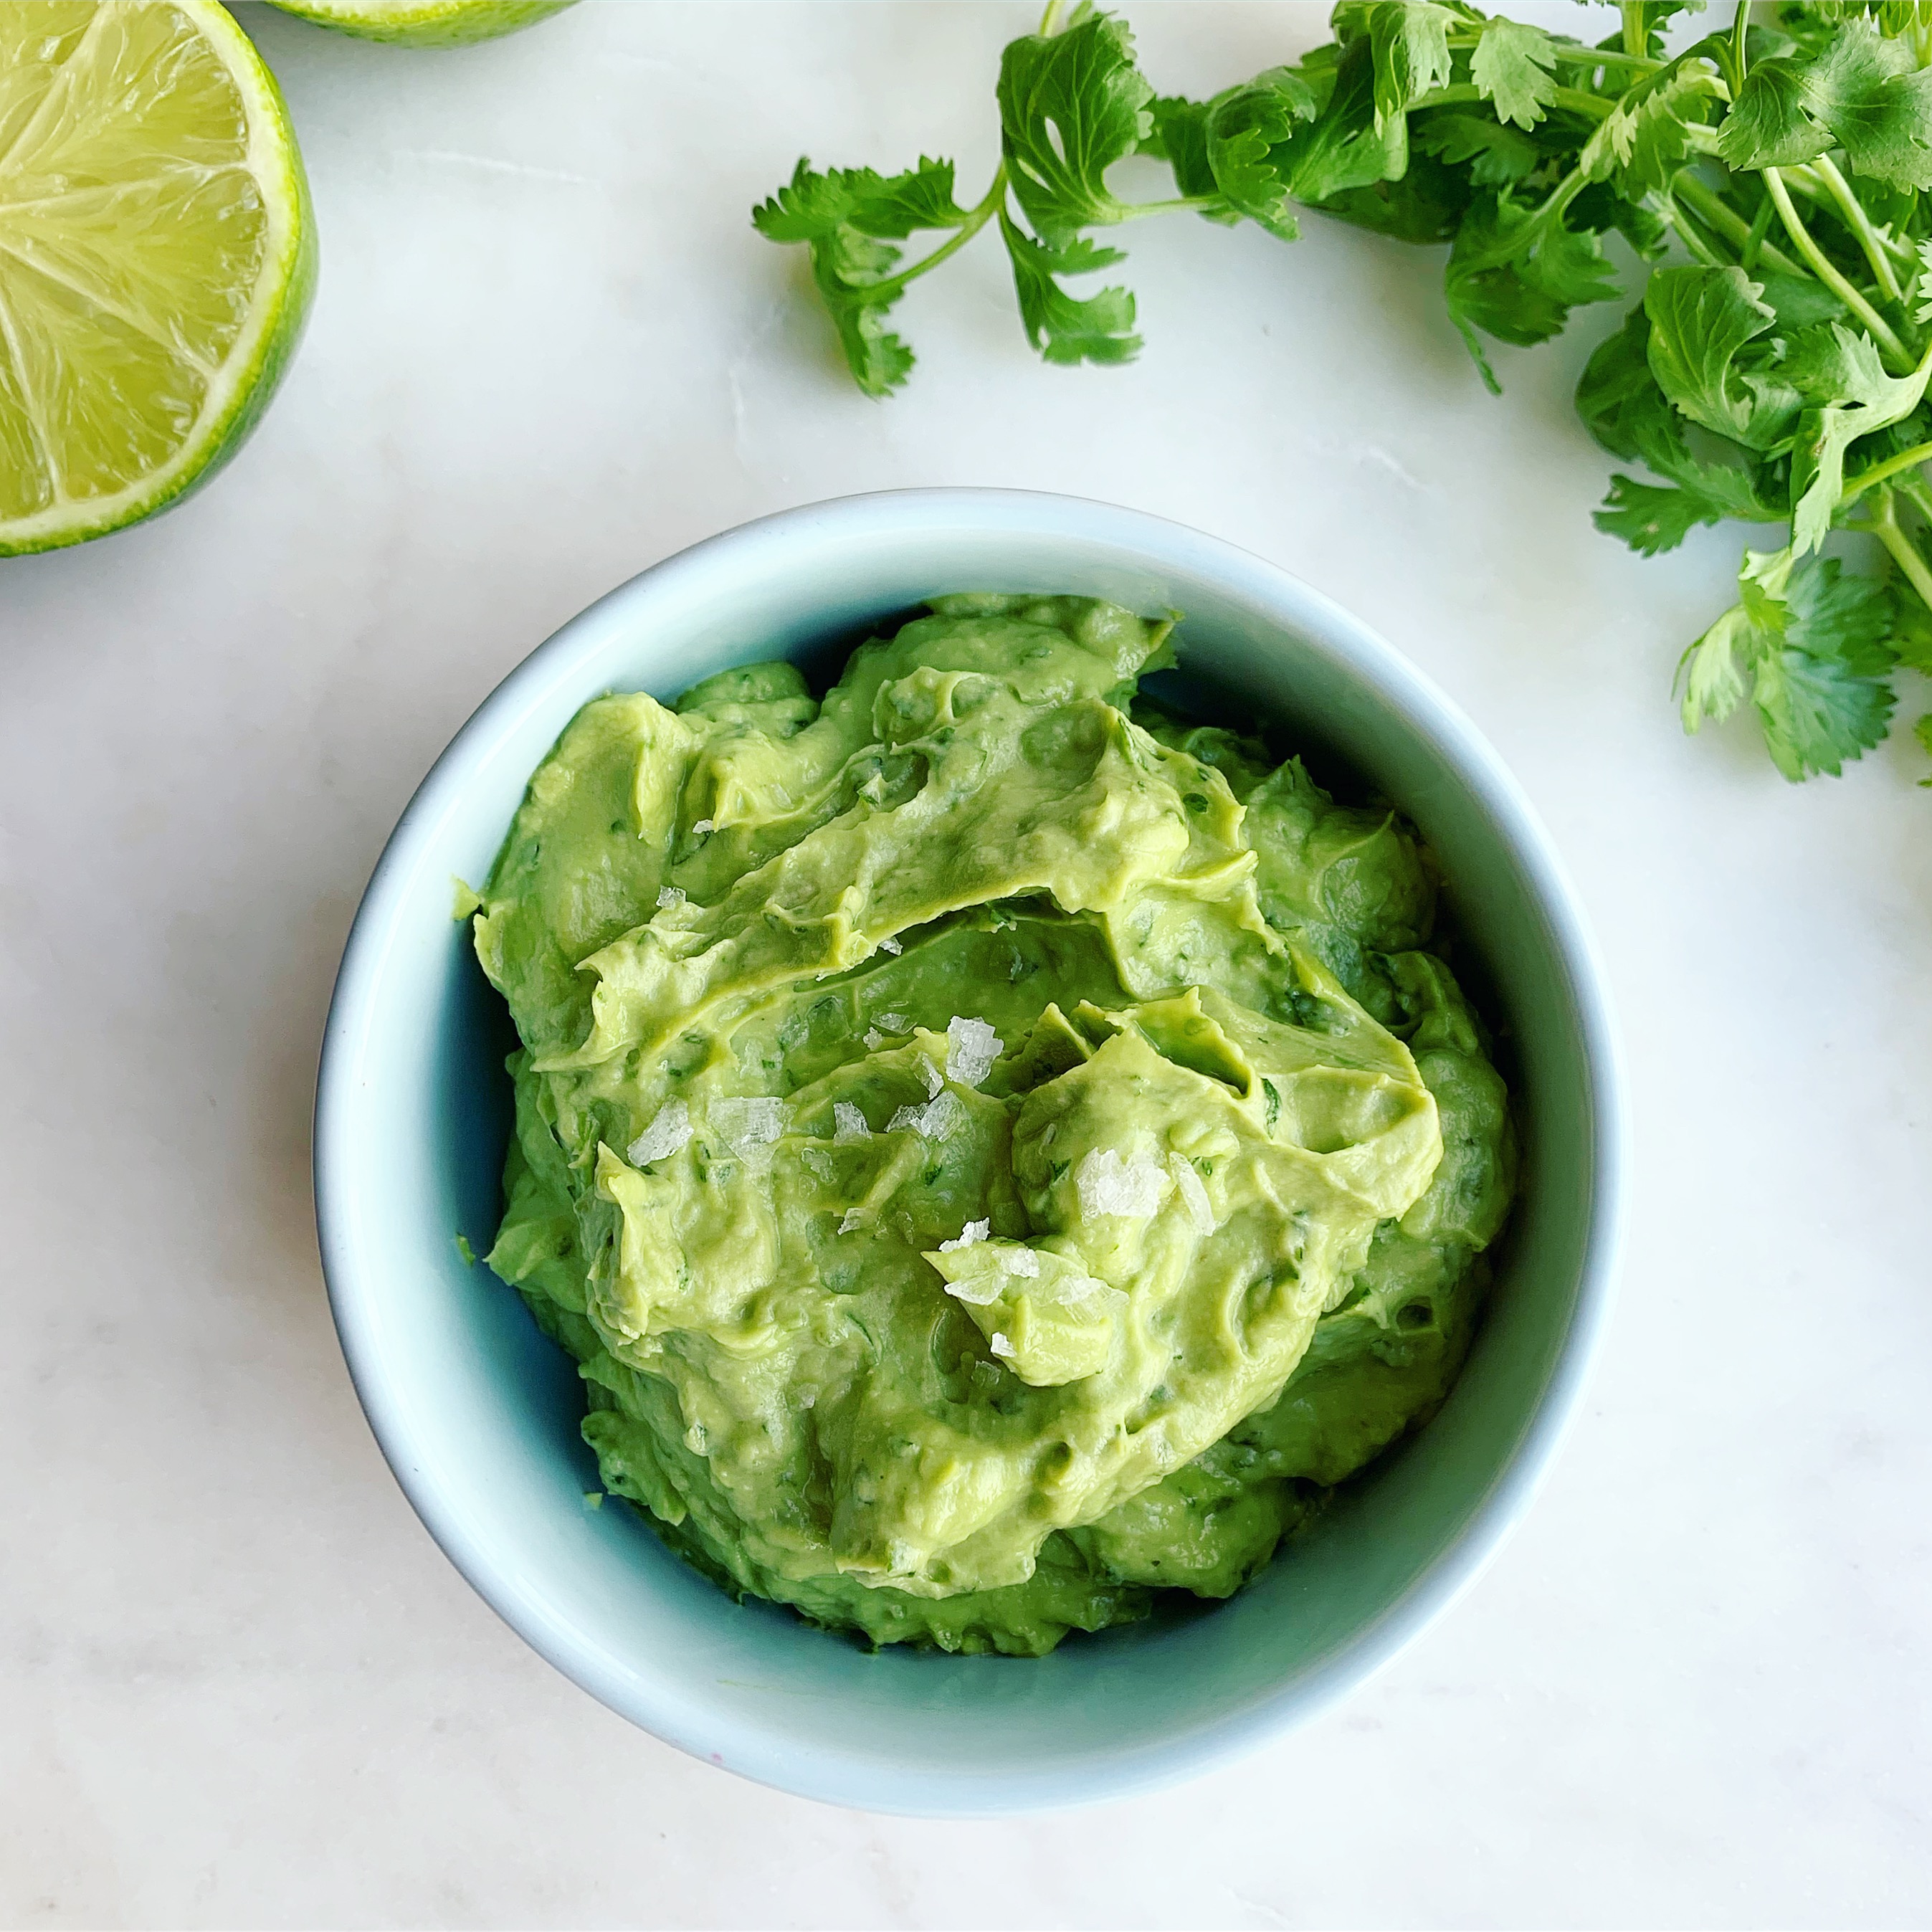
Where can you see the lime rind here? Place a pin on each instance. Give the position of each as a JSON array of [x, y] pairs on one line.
[[240, 387], [424, 23]]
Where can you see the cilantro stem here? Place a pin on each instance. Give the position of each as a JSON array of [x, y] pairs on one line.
[[1573, 99], [1718, 215], [1740, 29], [1754, 239], [1824, 168], [1883, 472], [977, 219], [1821, 267], [1692, 236], [1601, 57], [1884, 524], [1636, 32], [1171, 205]]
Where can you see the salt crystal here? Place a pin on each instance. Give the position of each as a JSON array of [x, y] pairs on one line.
[[891, 946], [848, 1123], [1021, 1261], [750, 1126], [973, 1232], [1082, 1294], [981, 1293], [1107, 1184], [668, 897], [933, 1081], [853, 1219], [971, 1048], [668, 1134], [703, 826], [895, 1023], [1004, 1349], [1194, 1196], [941, 1117], [875, 1039]]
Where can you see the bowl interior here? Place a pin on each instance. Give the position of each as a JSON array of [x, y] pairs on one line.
[[479, 1415]]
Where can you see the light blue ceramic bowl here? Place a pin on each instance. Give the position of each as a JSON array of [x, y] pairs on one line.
[[478, 1415]]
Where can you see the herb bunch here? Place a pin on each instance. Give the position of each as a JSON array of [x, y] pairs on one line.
[[1773, 180]]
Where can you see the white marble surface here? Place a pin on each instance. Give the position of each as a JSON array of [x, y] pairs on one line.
[[239, 1686]]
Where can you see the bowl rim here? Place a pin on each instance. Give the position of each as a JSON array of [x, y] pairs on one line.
[[1425, 709]]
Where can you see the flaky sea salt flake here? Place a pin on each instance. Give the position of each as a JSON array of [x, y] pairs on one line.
[[1108, 1184], [750, 1126], [1193, 1195], [973, 1231], [848, 1123], [971, 1048], [1004, 1349], [941, 1117], [668, 1134], [891, 946], [669, 896], [980, 1294]]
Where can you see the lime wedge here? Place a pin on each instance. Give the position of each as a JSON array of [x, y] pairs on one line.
[[156, 257], [424, 23]]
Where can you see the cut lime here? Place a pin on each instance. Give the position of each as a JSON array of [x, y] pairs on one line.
[[156, 257], [424, 23]]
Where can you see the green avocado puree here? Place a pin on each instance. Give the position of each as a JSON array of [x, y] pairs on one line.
[[995, 1151]]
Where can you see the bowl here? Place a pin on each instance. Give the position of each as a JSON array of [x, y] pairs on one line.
[[478, 1413]]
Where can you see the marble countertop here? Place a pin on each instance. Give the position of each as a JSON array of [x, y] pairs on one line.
[[239, 1685]]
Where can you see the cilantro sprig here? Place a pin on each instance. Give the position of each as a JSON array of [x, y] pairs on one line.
[[1771, 183]]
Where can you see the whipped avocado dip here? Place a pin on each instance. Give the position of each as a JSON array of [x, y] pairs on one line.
[[995, 1151]]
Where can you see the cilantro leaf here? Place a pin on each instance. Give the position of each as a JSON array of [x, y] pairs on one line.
[[1409, 41], [1700, 320], [1427, 204], [1179, 137], [1250, 141], [1343, 147], [1623, 408], [1812, 641], [1071, 105], [1709, 677], [1516, 274], [1617, 384], [1511, 68], [844, 216], [1833, 366], [1817, 714], [1646, 137], [1769, 125], [1062, 329], [812, 205], [1651, 519], [1859, 92], [1922, 731], [1911, 633], [1501, 155]]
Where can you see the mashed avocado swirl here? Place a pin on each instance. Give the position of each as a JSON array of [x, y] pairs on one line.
[[994, 1151]]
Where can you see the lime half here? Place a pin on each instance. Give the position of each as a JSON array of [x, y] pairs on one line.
[[157, 258], [424, 23]]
